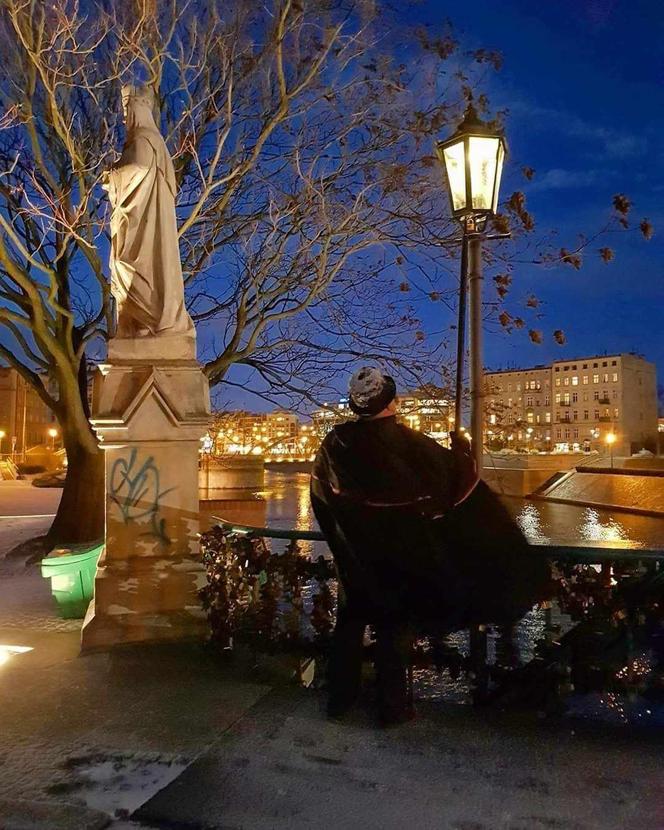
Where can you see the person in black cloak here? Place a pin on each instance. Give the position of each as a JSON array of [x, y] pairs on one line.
[[419, 543]]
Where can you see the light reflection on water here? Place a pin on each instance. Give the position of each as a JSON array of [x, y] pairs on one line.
[[287, 498]]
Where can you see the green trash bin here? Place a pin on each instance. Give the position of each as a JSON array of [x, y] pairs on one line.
[[72, 574]]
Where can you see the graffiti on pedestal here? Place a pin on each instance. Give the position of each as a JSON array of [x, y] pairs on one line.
[[136, 489]]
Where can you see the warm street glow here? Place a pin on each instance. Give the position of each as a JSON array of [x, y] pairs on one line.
[[610, 438], [52, 433], [9, 651]]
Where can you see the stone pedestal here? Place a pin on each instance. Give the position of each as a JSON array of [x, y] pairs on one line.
[[151, 407]]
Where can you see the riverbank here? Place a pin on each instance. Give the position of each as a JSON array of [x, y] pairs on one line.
[[627, 491]]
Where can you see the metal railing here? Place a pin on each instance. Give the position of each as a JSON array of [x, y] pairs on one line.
[[587, 553], [601, 554]]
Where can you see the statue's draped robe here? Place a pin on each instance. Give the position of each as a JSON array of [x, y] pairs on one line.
[[146, 274]]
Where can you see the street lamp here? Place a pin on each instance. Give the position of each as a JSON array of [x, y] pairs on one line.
[[53, 433], [611, 440], [2, 437], [473, 160]]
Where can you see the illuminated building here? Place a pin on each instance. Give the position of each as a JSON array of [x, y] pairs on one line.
[[572, 405]]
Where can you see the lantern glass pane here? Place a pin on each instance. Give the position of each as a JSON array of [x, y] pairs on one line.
[[456, 174], [499, 173], [483, 153]]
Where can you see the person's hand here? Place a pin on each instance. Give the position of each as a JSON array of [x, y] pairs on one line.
[[459, 442]]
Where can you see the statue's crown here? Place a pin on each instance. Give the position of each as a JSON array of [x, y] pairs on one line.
[[144, 94]]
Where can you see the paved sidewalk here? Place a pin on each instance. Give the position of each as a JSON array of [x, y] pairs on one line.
[[284, 766]]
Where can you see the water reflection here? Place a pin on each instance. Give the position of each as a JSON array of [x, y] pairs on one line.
[[287, 497], [593, 529]]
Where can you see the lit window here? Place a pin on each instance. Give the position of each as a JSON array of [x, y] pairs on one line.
[[595, 378], [557, 380], [615, 413], [615, 377], [585, 380], [547, 417], [575, 380], [566, 382], [558, 397], [530, 418]]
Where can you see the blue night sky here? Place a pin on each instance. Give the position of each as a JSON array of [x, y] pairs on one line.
[[583, 82]]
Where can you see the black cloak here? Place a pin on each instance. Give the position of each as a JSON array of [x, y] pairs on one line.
[[415, 535]]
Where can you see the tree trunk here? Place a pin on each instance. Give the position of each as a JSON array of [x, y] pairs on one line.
[[80, 517]]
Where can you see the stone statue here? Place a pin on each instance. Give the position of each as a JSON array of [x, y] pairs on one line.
[[146, 274]]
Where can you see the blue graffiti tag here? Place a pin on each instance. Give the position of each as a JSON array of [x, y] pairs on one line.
[[136, 491]]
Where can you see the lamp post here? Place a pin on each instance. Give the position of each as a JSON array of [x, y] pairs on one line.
[[473, 160], [611, 440], [53, 434]]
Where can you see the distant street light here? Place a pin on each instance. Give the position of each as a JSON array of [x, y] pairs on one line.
[[611, 440], [473, 160], [53, 434]]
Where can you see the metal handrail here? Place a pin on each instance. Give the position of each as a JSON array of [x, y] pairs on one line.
[[589, 554]]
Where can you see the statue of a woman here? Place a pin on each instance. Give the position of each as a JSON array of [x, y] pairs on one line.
[[146, 274]]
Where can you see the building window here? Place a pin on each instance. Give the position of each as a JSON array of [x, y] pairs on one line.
[[585, 365], [575, 415], [518, 387], [576, 433], [595, 365], [510, 418], [575, 397], [595, 378], [566, 382], [615, 413], [604, 363], [585, 380], [614, 362], [585, 396], [595, 396], [597, 414], [615, 394], [575, 380], [529, 400], [585, 414], [558, 433], [606, 377], [557, 380], [566, 398], [509, 401], [546, 400], [567, 434], [530, 418], [614, 376]]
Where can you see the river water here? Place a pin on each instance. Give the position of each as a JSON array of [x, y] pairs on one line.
[[288, 506]]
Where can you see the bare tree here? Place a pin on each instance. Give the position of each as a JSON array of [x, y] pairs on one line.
[[311, 214]]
